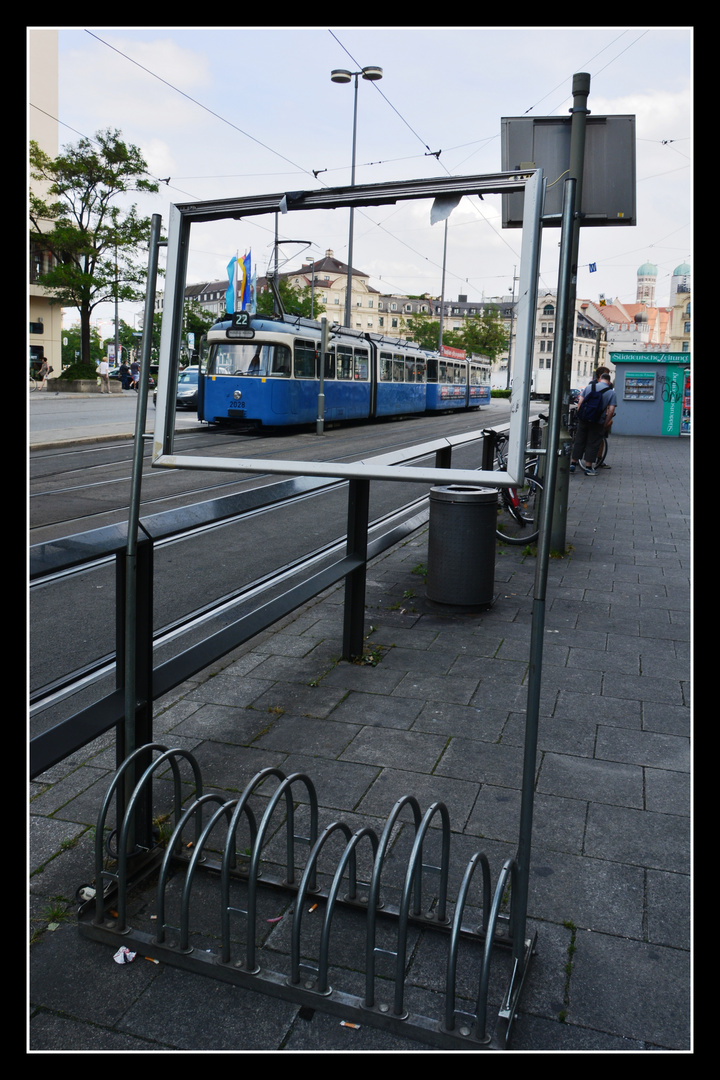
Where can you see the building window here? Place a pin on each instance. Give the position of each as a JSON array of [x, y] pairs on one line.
[[381, 320], [687, 328], [394, 324]]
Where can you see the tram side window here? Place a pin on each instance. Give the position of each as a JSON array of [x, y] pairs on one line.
[[344, 362], [386, 367], [280, 360], [305, 360], [432, 369], [361, 364], [409, 370], [329, 365], [398, 369]]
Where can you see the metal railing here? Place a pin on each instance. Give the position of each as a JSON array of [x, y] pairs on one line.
[[82, 549]]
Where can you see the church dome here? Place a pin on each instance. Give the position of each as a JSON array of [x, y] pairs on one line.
[[647, 269], [681, 271]]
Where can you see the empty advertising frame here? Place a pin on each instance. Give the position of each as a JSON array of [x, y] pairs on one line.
[[182, 217]]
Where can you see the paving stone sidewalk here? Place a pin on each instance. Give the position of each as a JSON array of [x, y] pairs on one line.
[[440, 715]]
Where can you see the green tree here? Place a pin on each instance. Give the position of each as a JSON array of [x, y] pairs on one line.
[[296, 301], [94, 243], [196, 320], [71, 351], [483, 334], [426, 332], [126, 340]]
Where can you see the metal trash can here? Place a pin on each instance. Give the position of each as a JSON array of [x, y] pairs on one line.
[[461, 545]]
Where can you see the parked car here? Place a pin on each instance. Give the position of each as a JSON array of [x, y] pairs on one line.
[[187, 389]]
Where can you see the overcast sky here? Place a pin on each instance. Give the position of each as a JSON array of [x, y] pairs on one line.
[[233, 111]]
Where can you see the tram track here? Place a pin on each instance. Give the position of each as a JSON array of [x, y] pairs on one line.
[[225, 607], [64, 500]]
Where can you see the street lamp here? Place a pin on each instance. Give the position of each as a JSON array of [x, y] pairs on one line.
[[339, 75]]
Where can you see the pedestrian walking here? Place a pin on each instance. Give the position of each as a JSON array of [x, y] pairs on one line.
[[104, 373]]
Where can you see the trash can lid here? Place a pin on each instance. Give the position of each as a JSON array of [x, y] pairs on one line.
[[463, 493]]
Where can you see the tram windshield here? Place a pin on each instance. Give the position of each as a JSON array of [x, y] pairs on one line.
[[249, 358]]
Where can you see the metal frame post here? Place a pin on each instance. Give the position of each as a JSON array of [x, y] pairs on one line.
[[520, 898], [138, 571], [563, 357], [357, 531]]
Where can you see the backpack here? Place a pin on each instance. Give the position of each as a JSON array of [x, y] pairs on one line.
[[593, 405]]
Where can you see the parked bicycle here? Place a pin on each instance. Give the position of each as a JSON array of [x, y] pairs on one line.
[[518, 520]]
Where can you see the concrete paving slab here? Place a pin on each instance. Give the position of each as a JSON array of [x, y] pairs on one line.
[[440, 716]]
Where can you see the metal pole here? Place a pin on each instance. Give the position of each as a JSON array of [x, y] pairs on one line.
[[520, 899], [348, 292], [320, 423], [129, 731], [442, 289], [117, 322], [579, 112], [512, 321]]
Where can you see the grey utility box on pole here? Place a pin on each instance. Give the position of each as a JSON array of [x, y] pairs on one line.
[[608, 190]]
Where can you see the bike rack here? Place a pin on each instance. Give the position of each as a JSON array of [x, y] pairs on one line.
[[250, 854]]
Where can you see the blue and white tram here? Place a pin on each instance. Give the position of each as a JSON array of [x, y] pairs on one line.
[[265, 372], [455, 383]]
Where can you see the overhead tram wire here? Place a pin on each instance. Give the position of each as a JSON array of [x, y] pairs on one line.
[[212, 112], [259, 142], [200, 104], [430, 153]]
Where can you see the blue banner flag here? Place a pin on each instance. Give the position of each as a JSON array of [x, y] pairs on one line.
[[593, 267], [230, 292], [244, 285], [253, 292]]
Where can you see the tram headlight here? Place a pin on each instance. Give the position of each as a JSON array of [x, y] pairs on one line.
[[237, 394]]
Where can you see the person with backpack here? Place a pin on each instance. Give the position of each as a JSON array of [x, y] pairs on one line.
[[596, 408]]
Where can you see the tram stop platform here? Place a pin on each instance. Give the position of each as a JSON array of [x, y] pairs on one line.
[[440, 715]]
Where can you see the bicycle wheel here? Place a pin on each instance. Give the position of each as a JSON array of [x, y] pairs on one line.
[[518, 512], [602, 452]]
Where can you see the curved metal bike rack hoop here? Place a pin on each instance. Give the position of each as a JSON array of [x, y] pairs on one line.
[[306, 982]]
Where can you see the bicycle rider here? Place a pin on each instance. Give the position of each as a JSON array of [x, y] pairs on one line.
[[590, 432]]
